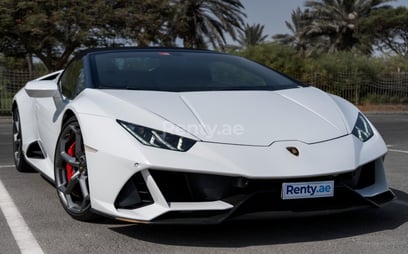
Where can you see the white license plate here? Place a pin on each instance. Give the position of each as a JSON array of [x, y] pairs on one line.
[[307, 190]]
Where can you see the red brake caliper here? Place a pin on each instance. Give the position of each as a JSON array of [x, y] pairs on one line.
[[69, 169]]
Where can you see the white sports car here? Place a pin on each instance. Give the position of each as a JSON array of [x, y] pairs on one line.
[[193, 136]]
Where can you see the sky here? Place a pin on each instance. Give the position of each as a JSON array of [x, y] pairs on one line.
[[273, 13]]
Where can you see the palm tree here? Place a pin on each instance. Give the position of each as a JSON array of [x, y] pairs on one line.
[[299, 38], [199, 22], [336, 20], [252, 35]]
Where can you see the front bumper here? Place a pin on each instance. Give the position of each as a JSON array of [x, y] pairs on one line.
[[117, 159], [243, 198]]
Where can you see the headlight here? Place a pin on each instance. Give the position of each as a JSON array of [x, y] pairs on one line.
[[362, 129], [156, 138]]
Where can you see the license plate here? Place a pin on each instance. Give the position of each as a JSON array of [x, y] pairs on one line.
[[307, 190]]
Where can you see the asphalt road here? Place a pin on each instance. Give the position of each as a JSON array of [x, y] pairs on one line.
[[382, 230]]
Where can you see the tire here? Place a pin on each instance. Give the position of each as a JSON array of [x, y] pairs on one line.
[[71, 173], [18, 154]]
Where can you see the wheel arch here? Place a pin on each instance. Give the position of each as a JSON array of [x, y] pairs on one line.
[[60, 167], [69, 113]]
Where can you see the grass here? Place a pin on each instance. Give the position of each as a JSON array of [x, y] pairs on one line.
[[5, 103]]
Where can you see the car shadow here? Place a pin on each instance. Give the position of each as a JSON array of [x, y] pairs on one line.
[[276, 231]]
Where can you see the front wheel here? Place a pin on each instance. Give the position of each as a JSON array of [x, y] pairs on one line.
[[71, 172]]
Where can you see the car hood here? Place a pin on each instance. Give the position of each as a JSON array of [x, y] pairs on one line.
[[257, 118]]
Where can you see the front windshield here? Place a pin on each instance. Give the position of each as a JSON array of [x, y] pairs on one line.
[[182, 71]]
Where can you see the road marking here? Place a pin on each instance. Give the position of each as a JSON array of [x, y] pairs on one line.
[[397, 151], [21, 232], [6, 166]]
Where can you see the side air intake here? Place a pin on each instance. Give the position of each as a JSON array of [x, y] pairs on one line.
[[34, 151]]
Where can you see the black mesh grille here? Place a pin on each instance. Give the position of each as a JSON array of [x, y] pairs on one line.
[[192, 187]]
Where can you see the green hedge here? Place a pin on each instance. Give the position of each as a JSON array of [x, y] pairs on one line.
[[358, 78]]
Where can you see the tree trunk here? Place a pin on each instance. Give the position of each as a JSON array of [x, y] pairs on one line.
[[29, 59]]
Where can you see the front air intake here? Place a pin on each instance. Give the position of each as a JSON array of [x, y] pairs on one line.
[[195, 187], [134, 194]]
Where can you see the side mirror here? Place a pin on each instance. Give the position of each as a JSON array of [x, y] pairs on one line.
[[44, 89], [41, 88]]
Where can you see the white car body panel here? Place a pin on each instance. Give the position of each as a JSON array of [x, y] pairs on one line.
[[255, 113]]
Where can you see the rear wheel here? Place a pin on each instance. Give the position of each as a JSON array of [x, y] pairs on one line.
[[71, 172], [19, 160]]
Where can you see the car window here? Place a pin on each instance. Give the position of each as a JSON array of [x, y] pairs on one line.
[[73, 79], [183, 71], [231, 75]]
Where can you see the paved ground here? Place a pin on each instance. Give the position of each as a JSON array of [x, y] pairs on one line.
[[370, 231]]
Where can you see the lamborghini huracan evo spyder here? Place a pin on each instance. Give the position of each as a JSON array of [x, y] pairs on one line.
[[193, 136]]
